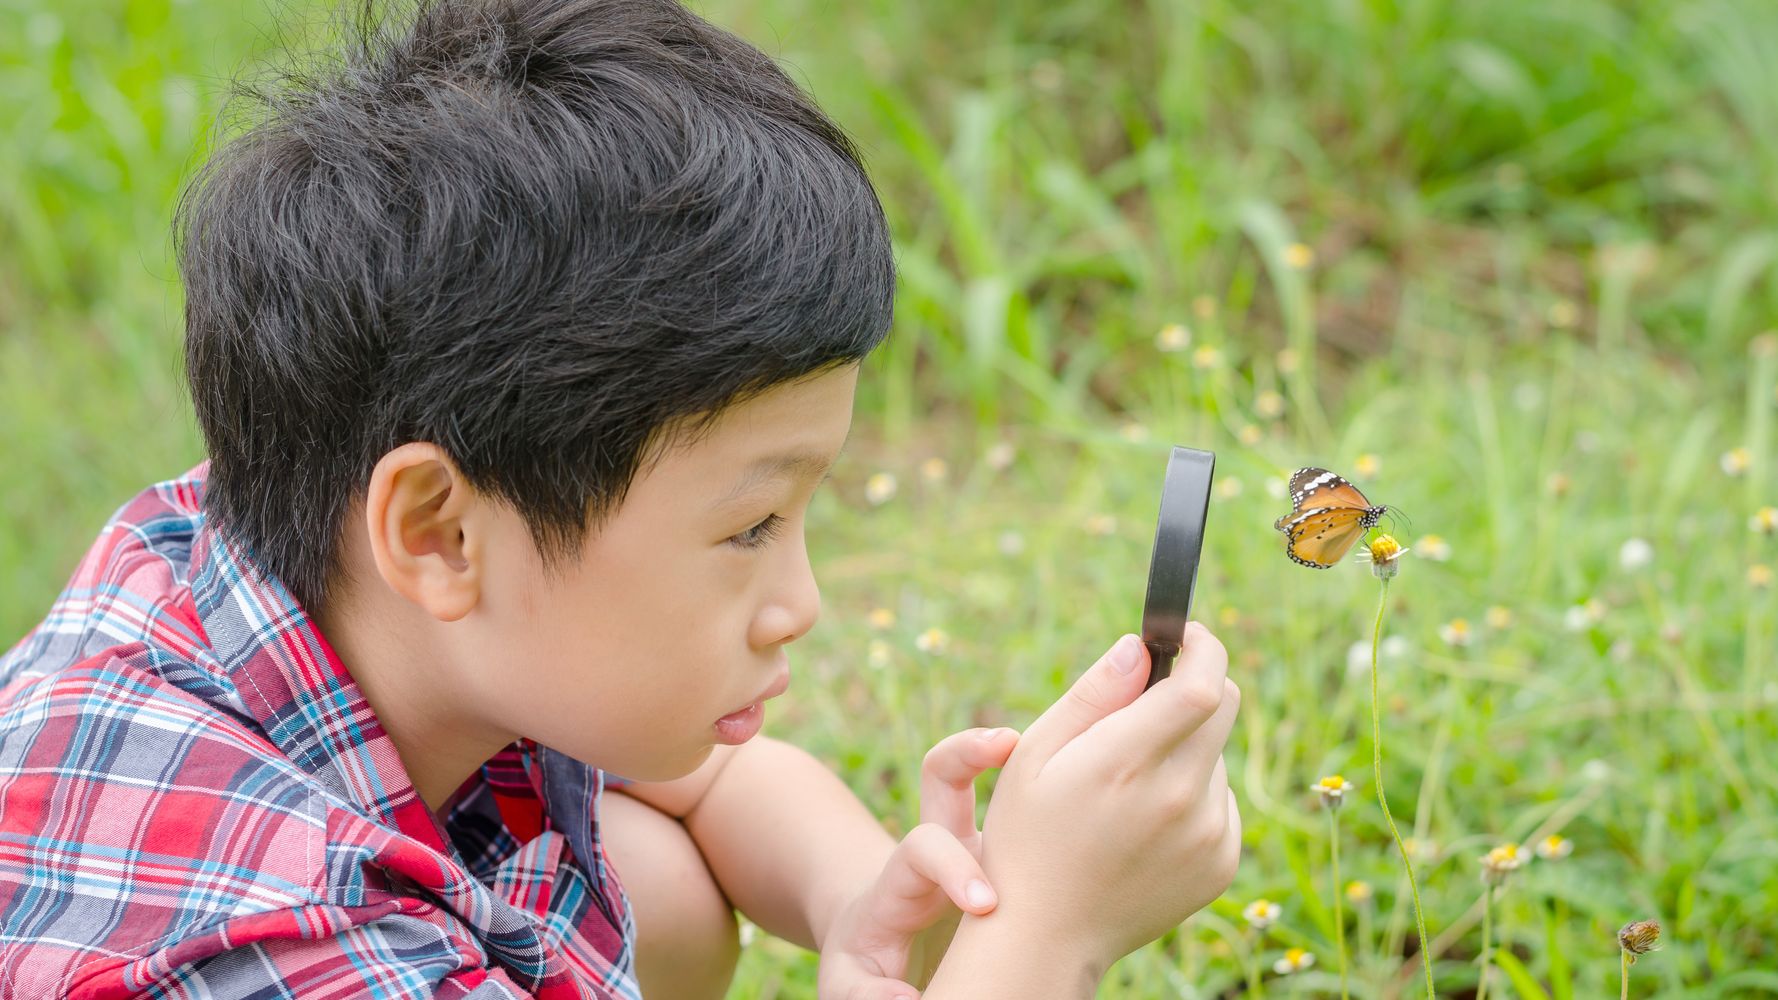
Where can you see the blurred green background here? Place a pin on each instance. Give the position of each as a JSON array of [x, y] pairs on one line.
[[1507, 264]]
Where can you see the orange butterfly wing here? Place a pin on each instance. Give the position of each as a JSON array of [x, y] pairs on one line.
[[1328, 514], [1320, 538]]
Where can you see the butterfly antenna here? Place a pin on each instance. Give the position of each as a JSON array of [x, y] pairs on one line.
[[1393, 513]]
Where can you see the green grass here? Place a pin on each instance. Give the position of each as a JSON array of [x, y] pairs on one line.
[[1542, 239]]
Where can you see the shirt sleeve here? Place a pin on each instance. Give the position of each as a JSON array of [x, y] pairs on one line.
[[397, 957]]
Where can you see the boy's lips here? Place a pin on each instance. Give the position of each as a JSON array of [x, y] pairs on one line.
[[779, 685]]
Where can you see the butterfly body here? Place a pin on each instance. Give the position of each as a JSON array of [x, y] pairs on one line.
[[1328, 514]]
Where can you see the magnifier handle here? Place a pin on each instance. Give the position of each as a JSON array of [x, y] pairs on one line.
[[1160, 656]]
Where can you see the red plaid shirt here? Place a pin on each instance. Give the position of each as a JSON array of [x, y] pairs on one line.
[[197, 801]]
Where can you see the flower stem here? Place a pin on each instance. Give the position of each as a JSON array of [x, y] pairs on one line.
[[1339, 894], [1624, 992], [1487, 941], [1383, 800]]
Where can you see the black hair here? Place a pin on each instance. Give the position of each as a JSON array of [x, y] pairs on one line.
[[544, 235]]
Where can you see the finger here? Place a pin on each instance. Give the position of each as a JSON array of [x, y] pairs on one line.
[[1102, 690], [928, 857], [947, 776], [1178, 705], [1194, 757]]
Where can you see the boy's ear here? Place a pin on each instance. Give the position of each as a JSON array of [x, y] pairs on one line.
[[426, 534]]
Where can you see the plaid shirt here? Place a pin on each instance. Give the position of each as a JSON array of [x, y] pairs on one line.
[[197, 801]]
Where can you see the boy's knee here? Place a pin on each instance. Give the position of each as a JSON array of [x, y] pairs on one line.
[[687, 941]]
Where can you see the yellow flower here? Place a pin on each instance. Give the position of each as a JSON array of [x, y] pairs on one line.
[[1420, 850], [1133, 432], [1640, 937], [933, 641], [1563, 314], [1759, 576], [1434, 547], [1228, 489], [1249, 435], [879, 488], [881, 619], [1500, 862], [1262, 913], [1332, 789], [1299, 256], [1206, 357], [1288, 361], [1229, 616], [933, 470], [1498, 617], [1456, 632], [1764, 521], [1294, 960], [1559, 484], [1173, 338], [1735, 461], [878, 656], [1101, 525], [1204, 306], [1366, 465], [1554, 847], [1359, 892], [1269, 405], [1384, 553]]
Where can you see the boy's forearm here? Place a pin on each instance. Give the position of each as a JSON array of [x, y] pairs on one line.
[[787, 841], [995, 957]]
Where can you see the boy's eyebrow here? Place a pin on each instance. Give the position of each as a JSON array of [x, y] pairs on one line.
[[794, 464]]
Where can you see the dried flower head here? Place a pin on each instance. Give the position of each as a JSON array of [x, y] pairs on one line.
[[1554, 847], [1294, 960], [1501, 862], [1383, 553], [1332, 790], [1640, 937], [1000, 455], [1559, 484], [1262, 913]]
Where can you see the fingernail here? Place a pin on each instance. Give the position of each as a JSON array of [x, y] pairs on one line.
[[1124, 656], [978, 893]]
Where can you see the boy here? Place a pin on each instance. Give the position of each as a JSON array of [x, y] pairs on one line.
[[519, 343]]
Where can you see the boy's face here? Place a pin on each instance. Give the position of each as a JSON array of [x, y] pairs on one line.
[[680, 606]]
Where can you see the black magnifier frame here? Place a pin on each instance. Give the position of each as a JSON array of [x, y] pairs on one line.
[[1173, 565]]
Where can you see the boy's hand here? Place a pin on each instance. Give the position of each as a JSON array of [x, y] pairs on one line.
[[907, 917], [1114, 820]]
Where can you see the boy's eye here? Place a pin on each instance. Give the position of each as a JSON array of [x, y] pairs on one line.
[[758, 535]]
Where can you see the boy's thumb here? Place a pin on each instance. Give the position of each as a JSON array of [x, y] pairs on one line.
[[1108, 685]]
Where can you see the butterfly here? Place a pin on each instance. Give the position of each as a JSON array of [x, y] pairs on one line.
[[1327, 515]]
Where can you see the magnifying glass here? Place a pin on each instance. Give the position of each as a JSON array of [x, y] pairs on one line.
[[1173, 565]]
